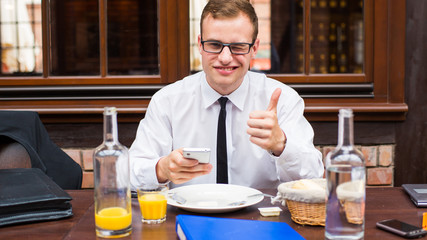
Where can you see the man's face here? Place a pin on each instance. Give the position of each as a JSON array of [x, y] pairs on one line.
[[225, 71]]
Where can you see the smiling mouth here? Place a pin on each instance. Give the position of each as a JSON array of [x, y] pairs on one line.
[[226, 68]]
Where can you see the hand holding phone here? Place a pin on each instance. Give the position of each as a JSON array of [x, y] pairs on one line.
[[200, 154], [401, 228]]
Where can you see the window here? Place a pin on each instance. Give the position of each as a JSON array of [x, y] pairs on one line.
[[333, 52], [87, 54], [131, 38], [20, 25], [83, 55], [336, 39]]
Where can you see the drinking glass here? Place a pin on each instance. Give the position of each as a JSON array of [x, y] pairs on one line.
[[153, 203]]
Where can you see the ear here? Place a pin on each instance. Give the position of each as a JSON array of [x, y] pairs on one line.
[[199, 43], [255, 48]]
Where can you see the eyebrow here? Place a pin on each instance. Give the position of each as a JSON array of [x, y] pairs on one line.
[[203, 39]]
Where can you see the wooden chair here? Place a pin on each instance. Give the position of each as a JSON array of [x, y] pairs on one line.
[[13, 154]]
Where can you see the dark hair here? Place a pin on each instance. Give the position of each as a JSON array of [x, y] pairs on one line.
[[230, 9]]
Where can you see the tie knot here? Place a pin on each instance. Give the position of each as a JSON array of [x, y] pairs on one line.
[[222, 101]]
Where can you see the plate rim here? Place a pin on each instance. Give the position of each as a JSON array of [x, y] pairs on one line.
[[214, 209]]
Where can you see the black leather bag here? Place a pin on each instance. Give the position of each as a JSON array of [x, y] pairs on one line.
[[28, 195]]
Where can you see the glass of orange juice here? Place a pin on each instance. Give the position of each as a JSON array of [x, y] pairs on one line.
[[153, 203]]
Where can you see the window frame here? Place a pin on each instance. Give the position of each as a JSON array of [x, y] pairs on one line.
[[376, 95]]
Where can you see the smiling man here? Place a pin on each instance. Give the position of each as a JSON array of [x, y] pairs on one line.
[[253, 124], [225, 69]]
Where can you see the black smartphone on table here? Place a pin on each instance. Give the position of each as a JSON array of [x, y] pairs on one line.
[[402, 229]]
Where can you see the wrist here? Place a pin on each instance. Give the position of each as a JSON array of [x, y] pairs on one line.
[[161, 178], [281, 147]]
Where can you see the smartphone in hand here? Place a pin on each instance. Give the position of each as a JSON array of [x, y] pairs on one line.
[[200, 154], [402, 229]]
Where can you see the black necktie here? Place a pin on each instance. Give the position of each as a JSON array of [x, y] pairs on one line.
[[221, 145]]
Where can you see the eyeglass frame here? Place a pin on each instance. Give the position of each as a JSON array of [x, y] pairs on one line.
[[227, 45]]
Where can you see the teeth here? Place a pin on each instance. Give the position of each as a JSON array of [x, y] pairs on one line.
[[227, 69]]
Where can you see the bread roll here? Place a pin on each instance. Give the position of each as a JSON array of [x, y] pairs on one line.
[[306, 184]]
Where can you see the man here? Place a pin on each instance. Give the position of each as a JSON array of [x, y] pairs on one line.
[[267, 138]]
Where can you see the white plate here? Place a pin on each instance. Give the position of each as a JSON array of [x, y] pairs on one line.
[[213, 198]]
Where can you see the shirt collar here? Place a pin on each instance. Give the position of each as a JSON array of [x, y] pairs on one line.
[[210, 96]]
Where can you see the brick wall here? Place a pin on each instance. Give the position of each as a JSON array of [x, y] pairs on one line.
[[85, 159], [379, 161]]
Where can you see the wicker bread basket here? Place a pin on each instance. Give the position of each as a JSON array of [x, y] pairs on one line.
[[351, 196], [306, 205]]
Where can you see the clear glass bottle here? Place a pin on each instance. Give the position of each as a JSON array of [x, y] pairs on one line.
[[345, 189], [113, 211]]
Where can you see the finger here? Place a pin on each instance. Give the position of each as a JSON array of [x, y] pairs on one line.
[[199, 169], [262, 142], [258, 114], [259, 133], [272, 106], [255, 123], [186, 162], [181, 161], [180, 150], [188, 177], [188, 165], [263, 123], [189, 173]]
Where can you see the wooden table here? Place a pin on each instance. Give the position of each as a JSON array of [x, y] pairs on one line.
[[381, 203]]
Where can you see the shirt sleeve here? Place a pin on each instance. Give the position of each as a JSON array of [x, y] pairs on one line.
[[153, 140], [300, 159]]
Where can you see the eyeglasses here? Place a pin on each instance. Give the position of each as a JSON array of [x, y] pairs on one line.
[[238, 48]]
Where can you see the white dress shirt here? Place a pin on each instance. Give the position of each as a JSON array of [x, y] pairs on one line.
[[185, 114]]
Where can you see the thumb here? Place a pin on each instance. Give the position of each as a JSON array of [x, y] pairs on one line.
[[272, 106]]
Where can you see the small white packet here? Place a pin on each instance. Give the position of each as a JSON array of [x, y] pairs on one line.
[[270, 211]]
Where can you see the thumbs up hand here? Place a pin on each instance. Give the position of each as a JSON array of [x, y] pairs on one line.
[[272, 106], [264, 127]]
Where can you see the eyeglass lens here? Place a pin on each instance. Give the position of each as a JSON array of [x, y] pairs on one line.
[[235, 48]]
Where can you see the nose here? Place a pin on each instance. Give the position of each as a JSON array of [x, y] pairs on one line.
[[225, 56]]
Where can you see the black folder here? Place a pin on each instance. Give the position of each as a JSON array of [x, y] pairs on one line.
[[29, 195]]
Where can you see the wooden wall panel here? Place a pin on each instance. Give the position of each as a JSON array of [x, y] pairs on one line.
[[411, 135]]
